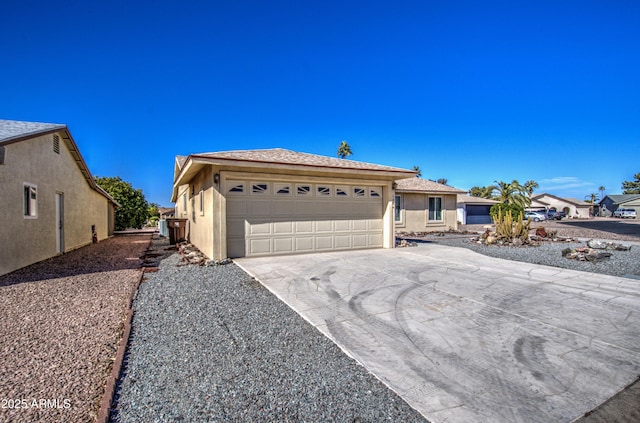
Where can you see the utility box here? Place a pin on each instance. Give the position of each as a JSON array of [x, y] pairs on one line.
[[177, 230]]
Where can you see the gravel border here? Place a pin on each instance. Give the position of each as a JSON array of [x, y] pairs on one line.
[[62, 321], [213, 344]]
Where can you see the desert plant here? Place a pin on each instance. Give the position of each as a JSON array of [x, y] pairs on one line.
[[508, 229], [502, 208]]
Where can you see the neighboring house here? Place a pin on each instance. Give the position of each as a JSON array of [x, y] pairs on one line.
[[276, 201], [572, 207], [611, 203], [425, 206], [50, 202], [166, 212], [474, 210]]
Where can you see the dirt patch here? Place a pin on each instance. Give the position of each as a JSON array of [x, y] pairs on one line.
[[62, 323]]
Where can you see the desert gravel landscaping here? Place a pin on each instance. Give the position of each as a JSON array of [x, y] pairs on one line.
[[62, 321]]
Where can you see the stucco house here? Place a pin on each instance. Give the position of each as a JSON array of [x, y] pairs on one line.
[[474, 210], [50, 202], [611, 203], [277, 201], [422, 205], [572, 207]]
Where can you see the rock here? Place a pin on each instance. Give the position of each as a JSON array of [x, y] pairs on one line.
[[541, 232], [597, 245], [619, 247], [596, 256], [517, 242], [567, 251], [490, 239]]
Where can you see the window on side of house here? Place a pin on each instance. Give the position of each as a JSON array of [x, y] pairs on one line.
[[435, 209], [56, 144], [201, 200], [184, 203], [397, 205], [30, 200]]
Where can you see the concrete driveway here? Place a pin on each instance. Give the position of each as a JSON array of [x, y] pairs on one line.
[[464, 337]]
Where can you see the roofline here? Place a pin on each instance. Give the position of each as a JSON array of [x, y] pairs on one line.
[[558, 198], [211, 159], [205, 160], [430, 191], [29, 135]]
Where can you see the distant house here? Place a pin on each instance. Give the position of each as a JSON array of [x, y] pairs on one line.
[[474, 210], [425, 206], [50, 202], [611, 203], [572, 207], [276, 201]]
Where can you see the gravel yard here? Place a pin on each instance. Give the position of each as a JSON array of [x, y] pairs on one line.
[[61, 324], [212, 344], [621, 263]]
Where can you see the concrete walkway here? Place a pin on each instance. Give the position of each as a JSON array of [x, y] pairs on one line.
[[464, 337]]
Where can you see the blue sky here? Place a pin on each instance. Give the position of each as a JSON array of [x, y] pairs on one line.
[[469, 91]]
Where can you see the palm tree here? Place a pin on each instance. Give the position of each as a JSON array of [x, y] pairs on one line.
[[512, 193], [419, 172], [344, 150], [442, 181], [601, 188], [592, 198], [529, 186], [482, 192]]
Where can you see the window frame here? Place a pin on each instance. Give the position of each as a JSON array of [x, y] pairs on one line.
[[398, 204], [30, 200], [437, 200]]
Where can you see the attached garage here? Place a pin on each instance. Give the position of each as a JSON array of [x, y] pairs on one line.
[[267, 202], [269, 217]]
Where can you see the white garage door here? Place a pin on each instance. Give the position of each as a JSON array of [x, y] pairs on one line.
[[265, 217]]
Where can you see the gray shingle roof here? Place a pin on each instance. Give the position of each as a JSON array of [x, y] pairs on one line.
[[424, 185], [288, 157], [623, 198], [469, 199], [11, 130]]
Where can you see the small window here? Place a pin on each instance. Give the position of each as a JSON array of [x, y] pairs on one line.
[[184, 203], [342, 192], [282, 189], [30, 201], [303, 190], [374, 192], [201, 198], [56, 144], [324, 191], [259, 188], [435, 209], [237, 188], [397, 205], [358, 192]]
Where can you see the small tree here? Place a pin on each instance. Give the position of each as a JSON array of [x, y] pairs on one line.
[[419, 172], [344, 150], [632, 187], [442, 181], [134, 209]]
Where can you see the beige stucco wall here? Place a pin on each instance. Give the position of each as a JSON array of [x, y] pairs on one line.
[[414, 213], [200, 224], [573, 210], [28, 240]]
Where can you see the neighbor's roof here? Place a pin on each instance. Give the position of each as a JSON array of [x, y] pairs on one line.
[[573, 201], [279, 160], [470, 199], [420, 185], [622, 198], [13, 131]]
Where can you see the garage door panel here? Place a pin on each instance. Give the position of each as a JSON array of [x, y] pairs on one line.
[[259, 246], [324, 226], [304, 226], [282, 207], [256, 228], [280, 228], [342, 241], [324, 242], [359, 225], [304, 244], [342, 225], [283, 245], [360, 240]]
